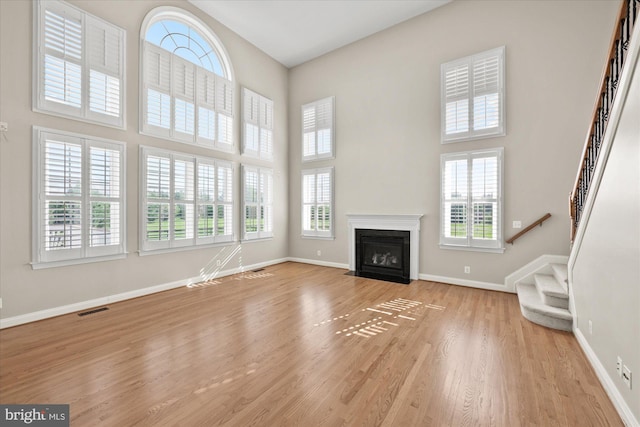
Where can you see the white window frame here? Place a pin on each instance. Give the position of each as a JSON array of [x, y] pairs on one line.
[[101, 55], [318, 118], [458, 85], [203, 90], [193, 239], [257, 125], [468, 242], [86, 252], [261, 200], [312, 202]]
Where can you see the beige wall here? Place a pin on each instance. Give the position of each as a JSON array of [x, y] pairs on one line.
[[387, 90], [24, 290], [387, 107], [606, 275]]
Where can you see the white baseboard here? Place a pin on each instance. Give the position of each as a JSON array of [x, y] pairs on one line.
[[607, 382], [464, 282], [320, 263], [430, 277], [110, 299]]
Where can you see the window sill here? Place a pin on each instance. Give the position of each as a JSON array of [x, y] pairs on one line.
[[472, 249], [306, 236], [107, 123], [148, 252], [226, 148], [453, 140], [256, 239], [68, 262]]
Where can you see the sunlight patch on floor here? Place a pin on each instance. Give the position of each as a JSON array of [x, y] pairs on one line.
[[387, 315]]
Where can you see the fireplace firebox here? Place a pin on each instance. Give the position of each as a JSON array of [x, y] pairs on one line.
[[383, 254]]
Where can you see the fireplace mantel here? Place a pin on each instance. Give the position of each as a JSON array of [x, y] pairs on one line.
[[408, 222]]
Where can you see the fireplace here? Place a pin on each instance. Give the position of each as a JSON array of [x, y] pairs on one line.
[[398, 222], [383, 254]]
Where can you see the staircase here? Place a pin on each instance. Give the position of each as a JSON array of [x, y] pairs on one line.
[[546, 300]]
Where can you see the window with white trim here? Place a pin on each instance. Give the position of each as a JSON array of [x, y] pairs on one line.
[[257, 125], [317, 202], [471, 200], [79, 198], [318, 133], [187, 89], [186, 200], [257, 191], [80, 64], [472, 97]]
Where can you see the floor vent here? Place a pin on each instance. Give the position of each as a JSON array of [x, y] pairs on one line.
[[95, 310], [257, 269]]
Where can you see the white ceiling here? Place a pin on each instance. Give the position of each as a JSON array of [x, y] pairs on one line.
[[293, 32]]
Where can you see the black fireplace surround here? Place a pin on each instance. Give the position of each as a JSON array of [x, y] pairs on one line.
[[383, 254]]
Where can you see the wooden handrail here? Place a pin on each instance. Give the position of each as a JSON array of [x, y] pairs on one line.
[[529, 228], [629, 11]]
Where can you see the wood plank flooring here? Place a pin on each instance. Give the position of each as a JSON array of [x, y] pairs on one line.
[[302, 345]]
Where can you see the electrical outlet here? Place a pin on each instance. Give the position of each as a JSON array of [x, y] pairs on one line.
[[218, 263], [626, 375], [619, 366], [590, 327], [467, 269], [517, 224], [319, 252]]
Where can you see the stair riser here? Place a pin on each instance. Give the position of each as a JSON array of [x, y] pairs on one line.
[[561, 281], [561, 277], [556, 302]]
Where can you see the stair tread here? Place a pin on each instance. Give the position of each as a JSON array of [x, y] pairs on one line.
[[561, 271], [530, 299], [549, 286]]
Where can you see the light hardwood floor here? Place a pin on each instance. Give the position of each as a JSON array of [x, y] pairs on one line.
[[302, 345]]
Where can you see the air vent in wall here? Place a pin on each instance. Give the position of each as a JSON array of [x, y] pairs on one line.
[[95, 310]]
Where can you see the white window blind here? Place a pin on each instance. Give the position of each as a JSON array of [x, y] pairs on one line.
[[318, 133], [79, 198], [187, 200], [257, 119], [317, 202], [183, 101], [473, 93], [257, 190], [80, 65], [471, 204]]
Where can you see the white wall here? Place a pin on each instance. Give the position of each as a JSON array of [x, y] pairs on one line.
[[606, 274], [24, 290], [387, 90]]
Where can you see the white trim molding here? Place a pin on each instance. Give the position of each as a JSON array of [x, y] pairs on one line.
[[525, 274], [404, 222], [110, 299], [464, 282], [618, 401]]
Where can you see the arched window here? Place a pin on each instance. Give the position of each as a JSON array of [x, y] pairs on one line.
[[187, 81]]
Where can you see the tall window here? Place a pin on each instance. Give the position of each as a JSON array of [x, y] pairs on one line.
[[318, 134], [257, 129], [317, 202], [472, 104], [471, 205], [257, 189], [187, 88], [78, 198], [80, 64], [186, 200]]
